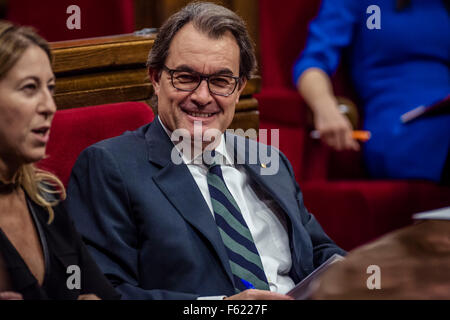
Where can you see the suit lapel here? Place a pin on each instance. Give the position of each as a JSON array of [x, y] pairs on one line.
[[278, 191], [276, 188], [244, 153], [178, 185]]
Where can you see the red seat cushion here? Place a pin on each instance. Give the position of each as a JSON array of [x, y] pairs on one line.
[[354, 212], [75, 129], [291, 140], [282, 105]]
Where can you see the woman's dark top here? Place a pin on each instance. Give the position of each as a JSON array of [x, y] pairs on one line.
[[62, 247]]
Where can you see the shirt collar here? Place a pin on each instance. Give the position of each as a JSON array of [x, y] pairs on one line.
[[220, 149]]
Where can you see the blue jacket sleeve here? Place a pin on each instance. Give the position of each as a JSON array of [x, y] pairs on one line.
[[330, 32], [99, 204]]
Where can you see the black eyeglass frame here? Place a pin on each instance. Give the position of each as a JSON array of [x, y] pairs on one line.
[[202, 77]]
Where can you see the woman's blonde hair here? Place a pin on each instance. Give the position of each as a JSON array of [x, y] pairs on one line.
[[41, 186]]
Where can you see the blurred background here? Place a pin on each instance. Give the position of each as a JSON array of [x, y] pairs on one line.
[[107, 17], [352, 206]]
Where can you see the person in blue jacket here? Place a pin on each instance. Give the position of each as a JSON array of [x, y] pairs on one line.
[[399, 56]]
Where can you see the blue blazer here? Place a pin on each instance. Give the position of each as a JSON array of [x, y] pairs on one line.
[[150, 230]]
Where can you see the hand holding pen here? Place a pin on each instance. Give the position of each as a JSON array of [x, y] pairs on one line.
[[254, 294], [359, 135]]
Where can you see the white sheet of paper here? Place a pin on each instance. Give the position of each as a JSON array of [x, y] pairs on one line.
[[303, 289]]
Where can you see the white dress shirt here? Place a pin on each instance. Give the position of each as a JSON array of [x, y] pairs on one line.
[[263, 217]]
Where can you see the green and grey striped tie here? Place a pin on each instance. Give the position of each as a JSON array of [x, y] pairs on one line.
[[242, 253]]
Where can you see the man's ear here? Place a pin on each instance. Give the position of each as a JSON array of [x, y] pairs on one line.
[[241, 86], [155, 76]]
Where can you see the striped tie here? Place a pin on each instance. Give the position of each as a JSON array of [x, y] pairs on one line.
[[242, 253]]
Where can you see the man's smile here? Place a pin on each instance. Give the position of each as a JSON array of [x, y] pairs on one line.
[[200, 114]]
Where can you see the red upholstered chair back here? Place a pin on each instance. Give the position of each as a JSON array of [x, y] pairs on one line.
[[75, 129], [283, 32], [98, 18]]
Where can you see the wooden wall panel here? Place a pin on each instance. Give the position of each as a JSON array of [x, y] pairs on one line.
[[152, 13], [246, 120], [249, 11], [101, 70], [3, 6]]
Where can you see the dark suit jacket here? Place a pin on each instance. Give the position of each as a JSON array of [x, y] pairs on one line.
[[150, 230]]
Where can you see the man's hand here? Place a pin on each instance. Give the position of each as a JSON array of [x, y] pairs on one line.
[[255, 294], [89, 296], [9, 295]]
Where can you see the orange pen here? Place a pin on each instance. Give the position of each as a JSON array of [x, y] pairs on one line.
[[360, 135]]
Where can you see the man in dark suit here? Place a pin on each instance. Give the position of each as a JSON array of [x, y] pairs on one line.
[[167, 221]]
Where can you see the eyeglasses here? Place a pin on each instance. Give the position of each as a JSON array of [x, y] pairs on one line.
[[218, 84]]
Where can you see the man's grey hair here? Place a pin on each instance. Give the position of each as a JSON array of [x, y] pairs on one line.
[[214, 21]]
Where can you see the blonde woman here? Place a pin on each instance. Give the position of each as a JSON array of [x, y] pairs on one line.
[[41, 254]]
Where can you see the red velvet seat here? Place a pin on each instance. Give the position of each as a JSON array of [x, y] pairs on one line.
[[98, 18], [351, 207], [75, 129]]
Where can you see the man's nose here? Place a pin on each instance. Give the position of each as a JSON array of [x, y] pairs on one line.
[[202, 95]]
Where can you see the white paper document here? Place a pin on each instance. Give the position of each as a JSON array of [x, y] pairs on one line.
[[438, 214], [303, 289]]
